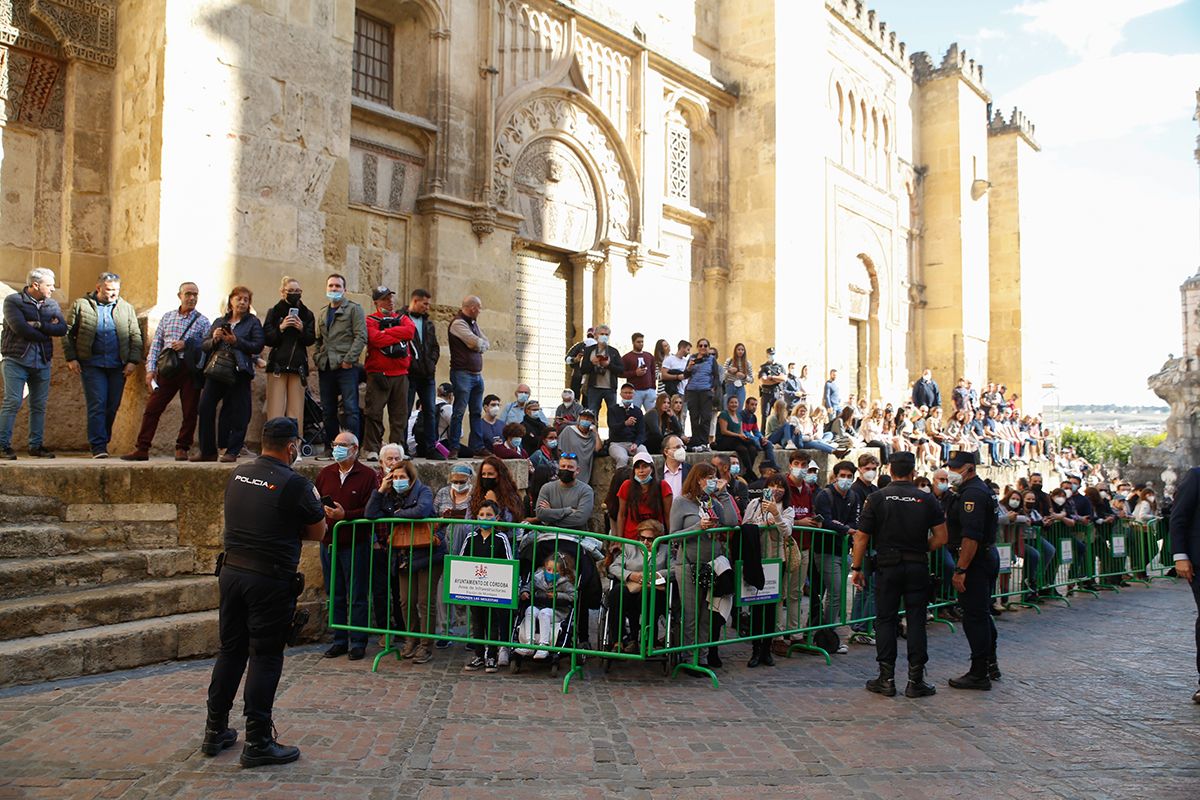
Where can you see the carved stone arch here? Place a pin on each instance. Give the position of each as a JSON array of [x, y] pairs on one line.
[[873, 387], [86, 31], [569, 116]]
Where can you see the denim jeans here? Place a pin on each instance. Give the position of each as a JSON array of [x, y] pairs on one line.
[[817, 444], [16, 378], [341, 383], [782, 435], [102, 387], [424, 389], [468, 394], [595, 396], [864, 601], [644, 399], [735, 391], [1040, 560], [353, 570]]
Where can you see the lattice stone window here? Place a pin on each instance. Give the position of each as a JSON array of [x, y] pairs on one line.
[[372, 59], [679, 158]]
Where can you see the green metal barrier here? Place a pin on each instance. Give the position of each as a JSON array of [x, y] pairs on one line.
[[1111, 542], [414, 561], [1013, 587]]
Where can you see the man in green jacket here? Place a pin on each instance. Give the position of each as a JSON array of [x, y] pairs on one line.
[[103, 346], [341, 339]]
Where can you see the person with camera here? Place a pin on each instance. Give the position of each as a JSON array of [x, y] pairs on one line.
[[170, 370], [388, 339], [231, 349], [289, 329], [269, 511]]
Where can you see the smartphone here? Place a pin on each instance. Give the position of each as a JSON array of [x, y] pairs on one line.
[[327, 501], [227, 328], [293, 312]]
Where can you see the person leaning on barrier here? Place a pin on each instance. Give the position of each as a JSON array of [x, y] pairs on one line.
[[774, 516], [627, 566], [416, 559], [269, 511], [1185, 543], [566, 502], [347, 484], [972, 522], [897, 521], [484, 540], [703, 504]]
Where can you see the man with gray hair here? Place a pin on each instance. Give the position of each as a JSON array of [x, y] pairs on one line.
[[602, 369], [103, 346], [31, 319]]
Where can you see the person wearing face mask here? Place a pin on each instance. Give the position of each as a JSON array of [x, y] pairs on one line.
[[238, 333], [701, 506], [838, 507], [289, 329], [729, 470], [487, 541], [515, 410], [568, 410], [675, 466], [774, 517], [973, 520], [270, 510], [1079, 508], [345, 487], [416, 559], [642, 497], [341, 339], [390, 345], [602, 368], [567, 502], [626, 428], [547, 454], [488, 430], [898, 521], [863, 606], [703, 376], [575, 362], [510, 445], [582, 439]]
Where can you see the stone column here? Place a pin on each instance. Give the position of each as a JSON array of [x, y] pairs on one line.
[[584, 290]]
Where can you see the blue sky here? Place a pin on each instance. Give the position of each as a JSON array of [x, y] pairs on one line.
[[1115, 212]]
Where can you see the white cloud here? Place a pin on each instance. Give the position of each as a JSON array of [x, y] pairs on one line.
[[1089, 28], [1108, 98]]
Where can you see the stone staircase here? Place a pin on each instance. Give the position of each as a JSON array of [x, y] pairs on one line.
[[88, 588]]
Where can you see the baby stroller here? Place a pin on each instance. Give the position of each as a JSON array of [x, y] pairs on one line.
[[543, 620], [312, 433]]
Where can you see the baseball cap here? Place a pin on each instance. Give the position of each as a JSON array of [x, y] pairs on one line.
[[643, 458], [380, 292]]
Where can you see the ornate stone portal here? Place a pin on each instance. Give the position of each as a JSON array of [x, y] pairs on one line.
[[555, 195]]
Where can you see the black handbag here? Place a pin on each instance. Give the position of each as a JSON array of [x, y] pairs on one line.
[[221, 367], [171, 361]]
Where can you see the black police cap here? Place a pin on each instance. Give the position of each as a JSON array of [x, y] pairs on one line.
[[903, 459], [280, 428], [961, 458]]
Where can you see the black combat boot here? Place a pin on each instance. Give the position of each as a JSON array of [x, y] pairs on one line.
[[756, 656], [261, 748], [714, 658], [765, 657], [217, 734], [917, 685], [885, 684], [976, 677], [993, 670]]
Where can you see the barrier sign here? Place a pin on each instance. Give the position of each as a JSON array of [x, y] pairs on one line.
[[1066, 551], [748, 595], [1005, 551], [1118, 545], [489, 582]]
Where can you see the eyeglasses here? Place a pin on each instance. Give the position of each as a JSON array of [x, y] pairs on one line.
[[646, 538]]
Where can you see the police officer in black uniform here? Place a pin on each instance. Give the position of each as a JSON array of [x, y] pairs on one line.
[[269, 511], [971, 517], [898, 519]]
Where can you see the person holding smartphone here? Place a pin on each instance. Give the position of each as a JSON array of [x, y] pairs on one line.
[[289, 329]]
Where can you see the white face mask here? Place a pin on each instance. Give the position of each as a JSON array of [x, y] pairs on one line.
[[870, 475], [954, 478], [679, 454], [1014, 503], [1060, 501]]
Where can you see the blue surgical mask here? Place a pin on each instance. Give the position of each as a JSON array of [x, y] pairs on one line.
[[335, 296], [341, 453], [710, 486], [644, 479], [845, 483], [627, 403], [552, 444], [602, 338], [797, 473], [401, 484], [942, 486], [516, 443], [548, 576], [810, 478], [735, 469], [522, 397], [584, 424]]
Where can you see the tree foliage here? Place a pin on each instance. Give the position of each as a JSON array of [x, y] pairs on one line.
[[1107, 447]]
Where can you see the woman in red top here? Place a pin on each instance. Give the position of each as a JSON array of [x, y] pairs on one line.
[[639, 498]]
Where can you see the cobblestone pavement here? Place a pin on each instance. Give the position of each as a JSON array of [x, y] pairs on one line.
[[1094, 703]]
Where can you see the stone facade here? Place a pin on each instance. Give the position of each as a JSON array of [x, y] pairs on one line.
[[770, 172]]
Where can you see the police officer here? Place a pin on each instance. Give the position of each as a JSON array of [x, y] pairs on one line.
[[269, 510], [971, 517], [897, 520]]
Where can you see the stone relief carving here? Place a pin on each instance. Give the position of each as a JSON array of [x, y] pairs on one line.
[[83, 29], [555, 195], [32, 89], [551, 116], [383, 177]]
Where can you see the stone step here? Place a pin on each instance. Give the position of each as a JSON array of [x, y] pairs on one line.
[[33, 539], [108, 647], [105, 605], [25, 509], [23, 577]]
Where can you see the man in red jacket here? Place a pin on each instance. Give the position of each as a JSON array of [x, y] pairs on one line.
[[388, 337], [345, 487]]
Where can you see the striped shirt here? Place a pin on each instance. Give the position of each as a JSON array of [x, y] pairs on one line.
[[170, 330]]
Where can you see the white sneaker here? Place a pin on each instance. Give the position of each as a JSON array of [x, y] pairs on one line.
[[842, 649], [541, 655], [505, 655]]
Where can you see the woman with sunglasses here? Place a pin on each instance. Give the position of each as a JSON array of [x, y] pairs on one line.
[[628, 568]]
